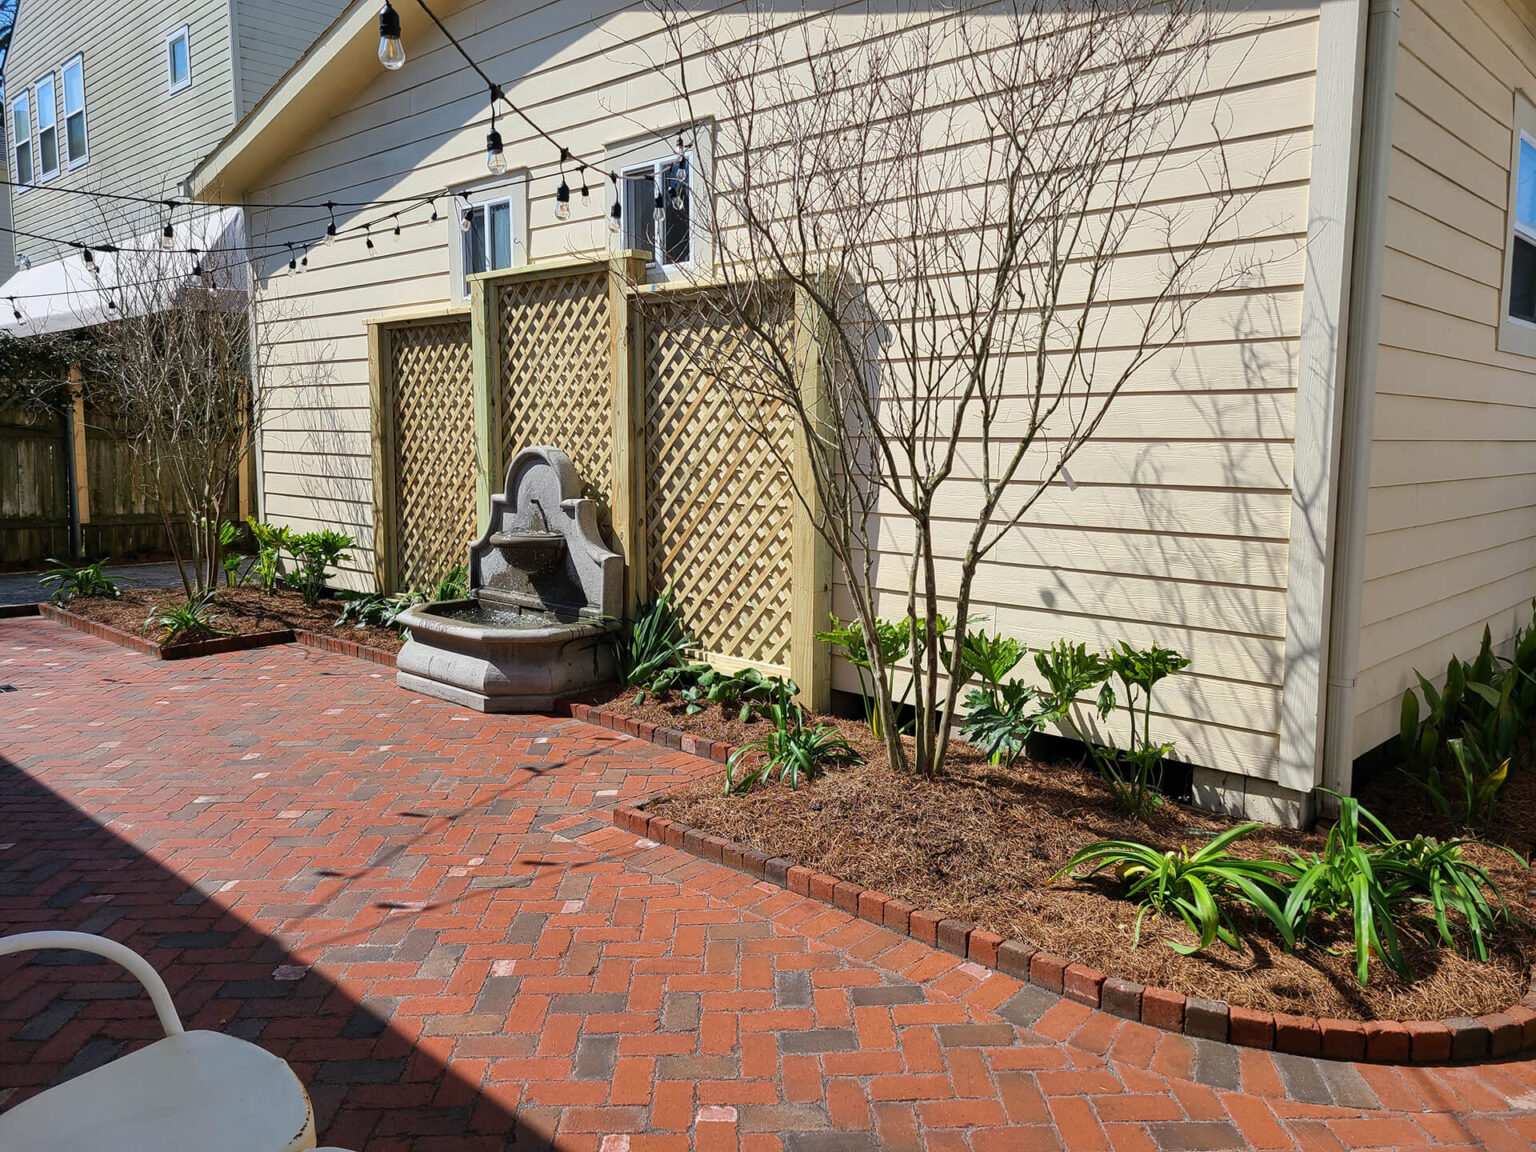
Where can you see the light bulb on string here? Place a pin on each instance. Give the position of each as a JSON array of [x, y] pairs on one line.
[[368, 236], [616, 213], [167, 237], [678, 181], [464, 219], [661, 210], [15, 311], [391, 50], [586, 193], [563, 201], [397, 225], [293, 265], [330, 229], [495, 156]]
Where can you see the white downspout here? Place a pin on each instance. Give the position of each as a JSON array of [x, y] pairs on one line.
[[1370, 237]]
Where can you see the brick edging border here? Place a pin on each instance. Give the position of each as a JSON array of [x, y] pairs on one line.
[[344, 647], [216, 645], [210, 647], [1462, 1040]]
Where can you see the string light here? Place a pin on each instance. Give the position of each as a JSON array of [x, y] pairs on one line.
[[397, 225], [563, 201], [330, 229], [391, 50], [586, 193], [15, 311], [368, 236], [293, 265], [616, 213]]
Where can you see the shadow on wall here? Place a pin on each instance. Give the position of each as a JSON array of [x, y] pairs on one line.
[[65, 1013]]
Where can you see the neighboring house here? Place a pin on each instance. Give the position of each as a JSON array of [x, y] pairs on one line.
[[1352, 493], [127, 102]]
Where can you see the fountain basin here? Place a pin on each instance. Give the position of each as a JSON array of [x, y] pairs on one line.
[[544, 594], [499, 657]]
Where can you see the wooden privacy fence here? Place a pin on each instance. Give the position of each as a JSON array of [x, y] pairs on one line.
[[689, 478], [40, 455]]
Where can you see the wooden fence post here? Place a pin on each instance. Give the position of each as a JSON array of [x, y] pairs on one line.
[[810, 661], [627, 365], [383, 499], [82, 474], [484, 358]]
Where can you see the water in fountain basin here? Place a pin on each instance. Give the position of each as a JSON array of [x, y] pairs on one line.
[[494, 616]]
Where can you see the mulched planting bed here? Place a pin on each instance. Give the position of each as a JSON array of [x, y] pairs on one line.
[[241, 611], [980, 843]]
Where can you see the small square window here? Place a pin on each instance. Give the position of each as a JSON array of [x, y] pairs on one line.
[[178, 59], [487, 245], [657, 211]]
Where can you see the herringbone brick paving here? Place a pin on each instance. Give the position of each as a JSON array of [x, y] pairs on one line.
[[426, 913]]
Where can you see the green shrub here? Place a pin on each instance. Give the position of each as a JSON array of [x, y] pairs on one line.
[[190, 621], [361, 609], [748, 688], [73, 582], [1364, 878], [316, 552], [1133, 773], [1458, 746], [1197, 887], [892, 636], [270, 539], [655, 642], [236, 572], [1001, 720], [793, 751]]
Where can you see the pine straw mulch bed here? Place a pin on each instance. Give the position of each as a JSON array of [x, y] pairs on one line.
[[241, 611], [981, 843]]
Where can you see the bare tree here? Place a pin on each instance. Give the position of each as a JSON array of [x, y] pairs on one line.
[[174, 379], [991, 218]]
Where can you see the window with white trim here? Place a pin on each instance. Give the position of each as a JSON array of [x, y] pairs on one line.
[[75, 144], [21, 136], [661, 198], [657, 217], [496, 238], [178, 59], [47, 129]]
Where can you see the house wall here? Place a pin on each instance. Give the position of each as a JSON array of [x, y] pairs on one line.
[[272, 34], [1177, 531], [1451, 523], [143, 139]]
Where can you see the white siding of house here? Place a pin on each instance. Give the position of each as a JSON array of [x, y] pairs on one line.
[[272, 35], [1178, 530], [1451, 528], [142, 140]]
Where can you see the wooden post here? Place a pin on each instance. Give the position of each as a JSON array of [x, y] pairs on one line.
[[82, 475], [485, 358], [810, 661], [626, 361], [379, 357]]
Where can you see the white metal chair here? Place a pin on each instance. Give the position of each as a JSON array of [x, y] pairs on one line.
[[187, 1092]]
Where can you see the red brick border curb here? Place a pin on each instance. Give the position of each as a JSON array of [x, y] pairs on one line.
[[147, 647], [1458, 1041], [215, 645]]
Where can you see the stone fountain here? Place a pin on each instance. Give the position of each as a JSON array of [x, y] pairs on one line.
[[544, 594]]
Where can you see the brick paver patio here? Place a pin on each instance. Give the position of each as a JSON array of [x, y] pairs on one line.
[[426, 912]]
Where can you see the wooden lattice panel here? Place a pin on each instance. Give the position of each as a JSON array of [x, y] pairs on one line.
[[718, 506], [556, 383], [433, 440]]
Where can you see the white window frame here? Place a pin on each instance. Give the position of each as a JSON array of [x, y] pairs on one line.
[[23, 97], [654, 150], [1515, 334], [52, 104], [76, 61], [509, 188], [184, 34]]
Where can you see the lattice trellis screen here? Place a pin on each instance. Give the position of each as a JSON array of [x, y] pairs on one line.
[[556, 383], [718, 508], [433, 441]]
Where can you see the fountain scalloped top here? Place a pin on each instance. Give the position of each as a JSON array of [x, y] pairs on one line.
[[544, 591]]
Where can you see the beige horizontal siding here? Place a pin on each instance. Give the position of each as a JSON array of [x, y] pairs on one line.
[[1177, 532], [1451, 529]]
